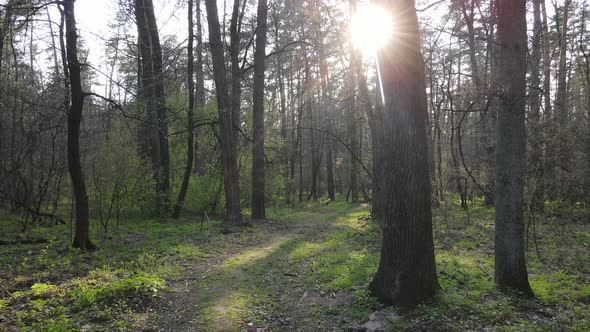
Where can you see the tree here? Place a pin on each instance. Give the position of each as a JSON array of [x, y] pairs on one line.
[[82, 235], [258, 211], [510, 267], [538, 195], [562, 151], [231, 175], [407, 272], [190, 121], [152, 95]]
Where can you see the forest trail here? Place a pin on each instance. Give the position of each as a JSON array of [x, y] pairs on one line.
[[255, 280]]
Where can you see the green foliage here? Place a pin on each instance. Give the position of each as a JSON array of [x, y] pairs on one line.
[[118, 179], [327, 251], [205, 194], [132, 291], [45, 290]]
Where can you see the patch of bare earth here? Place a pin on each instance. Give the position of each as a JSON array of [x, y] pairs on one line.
[[203, 299]]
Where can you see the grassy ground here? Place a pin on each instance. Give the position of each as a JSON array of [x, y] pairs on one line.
[[305, 269]]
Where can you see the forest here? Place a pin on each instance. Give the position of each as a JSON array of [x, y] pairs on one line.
[[294, 165]]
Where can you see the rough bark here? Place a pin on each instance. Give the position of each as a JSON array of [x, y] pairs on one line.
[[82, 234], [231, 174], [407, 271], [152, 95], [258, 204], [510, 266]]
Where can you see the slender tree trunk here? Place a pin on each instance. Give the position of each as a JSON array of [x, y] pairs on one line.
[[352, 127], [407, 271], [562, 136], [510, 266], [285, 151], [330, 171], [199, 167], [535, 111], [308, 104], [82, 234], [258, 208], [236, 72], [190, 121], [228, 144]]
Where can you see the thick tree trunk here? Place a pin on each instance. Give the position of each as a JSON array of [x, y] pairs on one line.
[[258, 208], [190, 121], [152, 93], [231, 175], [375, 124], [82, 235], [6, 23], [510, 266], [407, 271]]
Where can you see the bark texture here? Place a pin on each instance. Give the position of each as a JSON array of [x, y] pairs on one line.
[[231, 175], [82, 234], [407, 272], [258, 208], [510, 266], [154, 99]]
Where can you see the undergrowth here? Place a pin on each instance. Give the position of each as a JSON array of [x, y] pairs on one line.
[[317, 280]]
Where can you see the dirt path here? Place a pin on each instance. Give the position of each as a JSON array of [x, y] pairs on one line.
[[250, 282]]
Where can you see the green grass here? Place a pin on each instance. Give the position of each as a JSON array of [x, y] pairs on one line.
[[320, 254]]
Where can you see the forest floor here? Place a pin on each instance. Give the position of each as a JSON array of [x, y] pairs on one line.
[[304, 269]]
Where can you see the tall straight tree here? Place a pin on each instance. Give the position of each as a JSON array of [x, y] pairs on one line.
[[190, 121], [82, 235], [199, 166], [258, 209], [152, 95], [560, 110], [407, 272], [231, 175], [536, 164], [510, 267]]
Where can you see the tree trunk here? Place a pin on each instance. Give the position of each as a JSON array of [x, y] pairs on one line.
[[510, 266], [82, 235], [236, 72], [231, 175], [190, 121], [548, 162], [258, 208], [152, 93], [407, 271], [199, 167], [562, 136], [330, 171], [538, 194]]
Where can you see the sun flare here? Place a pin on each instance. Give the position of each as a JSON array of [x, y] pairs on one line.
[[370, 28]]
